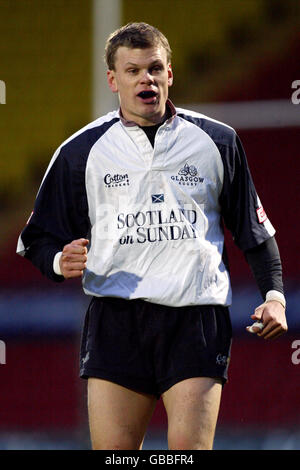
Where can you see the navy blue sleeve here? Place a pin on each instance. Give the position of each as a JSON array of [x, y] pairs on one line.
[[265, 263], [241, 208], [60, 212]]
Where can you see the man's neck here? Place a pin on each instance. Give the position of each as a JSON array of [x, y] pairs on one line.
[[149, 123]]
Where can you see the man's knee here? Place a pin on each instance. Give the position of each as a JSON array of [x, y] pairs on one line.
[[180, 439], [117, 441]]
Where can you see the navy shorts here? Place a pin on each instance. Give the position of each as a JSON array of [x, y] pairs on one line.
[[148, 347]]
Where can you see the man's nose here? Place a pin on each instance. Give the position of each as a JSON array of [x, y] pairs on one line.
[[147, 77]]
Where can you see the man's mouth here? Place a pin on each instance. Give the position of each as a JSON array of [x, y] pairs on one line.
[[148, 96]]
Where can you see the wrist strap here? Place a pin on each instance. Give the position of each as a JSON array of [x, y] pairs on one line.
[[56, 267], [275, 295]]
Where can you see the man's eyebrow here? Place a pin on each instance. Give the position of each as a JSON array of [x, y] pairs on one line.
[[155, 62]]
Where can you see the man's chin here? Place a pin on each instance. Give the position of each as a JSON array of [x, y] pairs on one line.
[[153, 114], [145, 114]]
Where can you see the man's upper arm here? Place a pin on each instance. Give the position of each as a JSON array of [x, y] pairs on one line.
[[241, 207], [60, 214]]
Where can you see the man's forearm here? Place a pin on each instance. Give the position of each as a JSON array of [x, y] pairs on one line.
[[265, 263], [42, 253]]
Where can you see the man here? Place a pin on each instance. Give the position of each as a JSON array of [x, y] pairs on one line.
[[133, 203]]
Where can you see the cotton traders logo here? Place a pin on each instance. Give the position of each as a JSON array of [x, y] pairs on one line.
[[112, 181], [188, 176]]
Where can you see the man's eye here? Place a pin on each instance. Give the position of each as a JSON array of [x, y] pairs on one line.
[[132, 71], [157, 68]]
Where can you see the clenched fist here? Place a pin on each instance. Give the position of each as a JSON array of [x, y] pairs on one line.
[[271, 318], [73, 258]]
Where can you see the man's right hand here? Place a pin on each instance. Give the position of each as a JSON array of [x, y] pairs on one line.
[[73, 258]]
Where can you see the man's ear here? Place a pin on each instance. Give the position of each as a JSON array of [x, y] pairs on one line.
[[170, 75], [111, 80]]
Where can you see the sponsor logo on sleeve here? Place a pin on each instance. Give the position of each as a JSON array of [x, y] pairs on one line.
[[261, 215]]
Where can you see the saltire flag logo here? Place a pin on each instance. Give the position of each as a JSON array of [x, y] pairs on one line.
[[157, 198]]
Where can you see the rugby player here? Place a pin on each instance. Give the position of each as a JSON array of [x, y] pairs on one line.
[[134, 203]]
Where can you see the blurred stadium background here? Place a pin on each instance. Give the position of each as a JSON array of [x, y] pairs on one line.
[[235, 61]]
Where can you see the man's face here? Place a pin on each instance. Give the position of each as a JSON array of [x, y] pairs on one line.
[[141, 78]]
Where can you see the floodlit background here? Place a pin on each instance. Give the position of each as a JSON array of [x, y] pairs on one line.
[[235, 61]]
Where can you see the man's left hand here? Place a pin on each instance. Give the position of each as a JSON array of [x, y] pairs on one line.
[[272, 316]]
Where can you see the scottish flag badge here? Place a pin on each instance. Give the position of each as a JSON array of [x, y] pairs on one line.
[[156, 198]]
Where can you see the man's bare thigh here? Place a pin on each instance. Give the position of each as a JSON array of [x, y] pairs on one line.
[[118, 416], [192, 407]]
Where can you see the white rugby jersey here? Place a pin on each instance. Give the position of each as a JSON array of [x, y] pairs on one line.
[[153, 215]]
